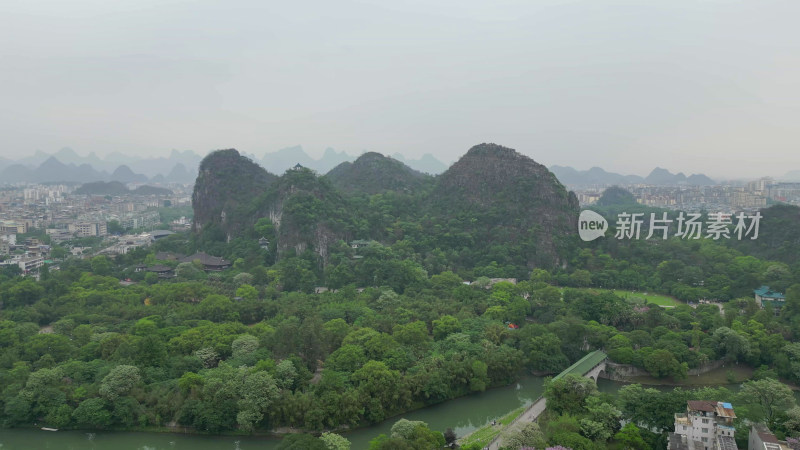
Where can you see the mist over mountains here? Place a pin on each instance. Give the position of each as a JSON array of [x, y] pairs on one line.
[[598, 176], [66, 165]]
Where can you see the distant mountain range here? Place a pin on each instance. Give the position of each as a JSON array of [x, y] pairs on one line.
[[792, 175], [66, 165], [51, 170], [597, 176], [117, 188]]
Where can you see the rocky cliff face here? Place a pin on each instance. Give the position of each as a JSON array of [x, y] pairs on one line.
[[232, 193], [506, 196], [489, 173], [226, 184], [307, 212], [373, 173]]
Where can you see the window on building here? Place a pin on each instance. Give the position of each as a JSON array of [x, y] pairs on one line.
[[705, 430]]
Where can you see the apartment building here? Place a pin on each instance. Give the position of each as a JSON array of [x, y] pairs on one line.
[[87, 229], [705, 425]]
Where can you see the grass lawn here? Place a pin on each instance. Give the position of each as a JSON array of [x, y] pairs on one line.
[[640, 297], [716, 377], [484, 435]]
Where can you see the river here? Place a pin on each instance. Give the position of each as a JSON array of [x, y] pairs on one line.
[[463, 415]]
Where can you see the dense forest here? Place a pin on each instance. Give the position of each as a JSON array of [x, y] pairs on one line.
[[236, 351], [424, 309]]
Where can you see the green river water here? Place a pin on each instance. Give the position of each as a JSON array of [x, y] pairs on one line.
[[464, 415]]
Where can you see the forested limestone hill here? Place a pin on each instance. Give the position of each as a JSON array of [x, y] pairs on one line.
[[226, 182], [494, 204], [373, 173], [500, 197]]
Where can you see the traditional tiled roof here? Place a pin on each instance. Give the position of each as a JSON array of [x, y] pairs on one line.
[[766, 292], [206, 259]]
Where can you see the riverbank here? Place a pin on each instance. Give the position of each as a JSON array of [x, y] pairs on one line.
[[732, 374], [516, 393], [22, 439], [464, 415], [486, 434], [166, 430], [714, 374], [468, 416]]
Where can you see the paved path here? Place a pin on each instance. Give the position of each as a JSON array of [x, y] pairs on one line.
[[590, 366], [530, 414]]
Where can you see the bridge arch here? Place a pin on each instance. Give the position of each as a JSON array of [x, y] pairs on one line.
[[590, 366]]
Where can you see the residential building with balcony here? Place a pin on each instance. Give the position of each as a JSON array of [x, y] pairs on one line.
[[705, 425]]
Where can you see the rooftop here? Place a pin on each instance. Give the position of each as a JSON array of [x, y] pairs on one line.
[[681, 442], [766, 292], [764, 433], [724, 409], [584, 364], [160, 233], [701, 405], [206, 259]]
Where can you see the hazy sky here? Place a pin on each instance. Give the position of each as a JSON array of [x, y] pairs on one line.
[[696, 86]]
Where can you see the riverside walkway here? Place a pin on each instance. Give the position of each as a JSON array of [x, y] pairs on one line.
[[590, 366]]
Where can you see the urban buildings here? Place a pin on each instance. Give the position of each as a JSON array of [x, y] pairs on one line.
[[64, 217], [705, 425], [731, 197]]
